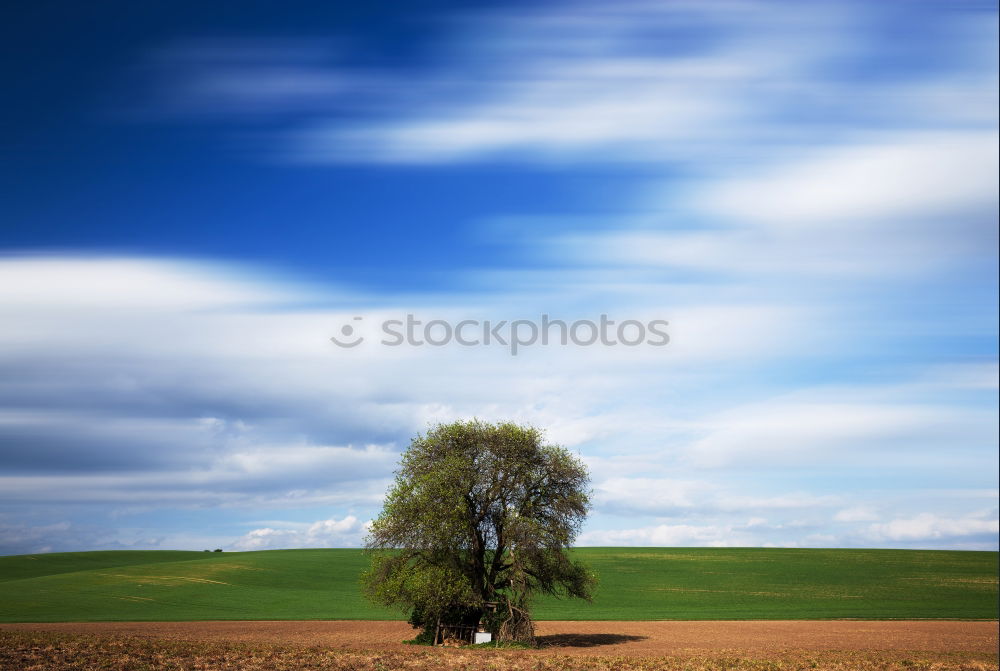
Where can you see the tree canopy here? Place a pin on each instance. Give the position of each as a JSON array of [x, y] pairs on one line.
[[479, 513]]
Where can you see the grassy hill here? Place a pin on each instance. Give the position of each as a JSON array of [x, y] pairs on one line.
[[636, 584]]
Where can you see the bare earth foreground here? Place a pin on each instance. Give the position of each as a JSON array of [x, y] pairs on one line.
[[606, 638], [837, 644]]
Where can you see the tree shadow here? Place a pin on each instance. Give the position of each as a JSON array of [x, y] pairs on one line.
[[584, 640]]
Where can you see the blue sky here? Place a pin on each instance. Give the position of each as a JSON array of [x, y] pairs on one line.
[[196, 200]]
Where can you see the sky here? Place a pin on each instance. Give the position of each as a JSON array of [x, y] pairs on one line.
[[213, 221]]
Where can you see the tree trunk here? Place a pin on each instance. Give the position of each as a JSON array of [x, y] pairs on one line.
[[518, 627]]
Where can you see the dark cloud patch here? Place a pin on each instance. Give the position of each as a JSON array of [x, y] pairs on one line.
[[149, 388], [60, 536]]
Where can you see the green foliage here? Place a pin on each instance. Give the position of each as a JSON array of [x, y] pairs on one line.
[[479, 513]]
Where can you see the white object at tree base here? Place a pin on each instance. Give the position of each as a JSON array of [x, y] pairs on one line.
[[483, 637]]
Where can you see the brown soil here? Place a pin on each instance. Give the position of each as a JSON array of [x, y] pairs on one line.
[[746, 638]]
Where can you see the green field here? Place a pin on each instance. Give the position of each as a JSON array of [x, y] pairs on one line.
[[636, 584]]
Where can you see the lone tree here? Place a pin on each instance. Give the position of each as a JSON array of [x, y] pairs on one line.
[[480, 515]]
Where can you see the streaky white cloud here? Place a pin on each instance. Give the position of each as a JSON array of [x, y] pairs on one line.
[[924, 530], [183, 382], [794, 501], [559, 109], [662, 535], [345, 532], [196, 488], [982, 375], [750, 532], [133, 283], [342, 463], [247, 78], [811, 190], [248, 406], [673, 497], [856, 514], [610, 85], [785, 433], [657, 496], [929, 526], [884, 208], [849, 186]]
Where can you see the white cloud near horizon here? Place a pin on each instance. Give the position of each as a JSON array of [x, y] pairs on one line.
[[923, 531], [930, 526], [871, 435], [346, 532], [248, 407]]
